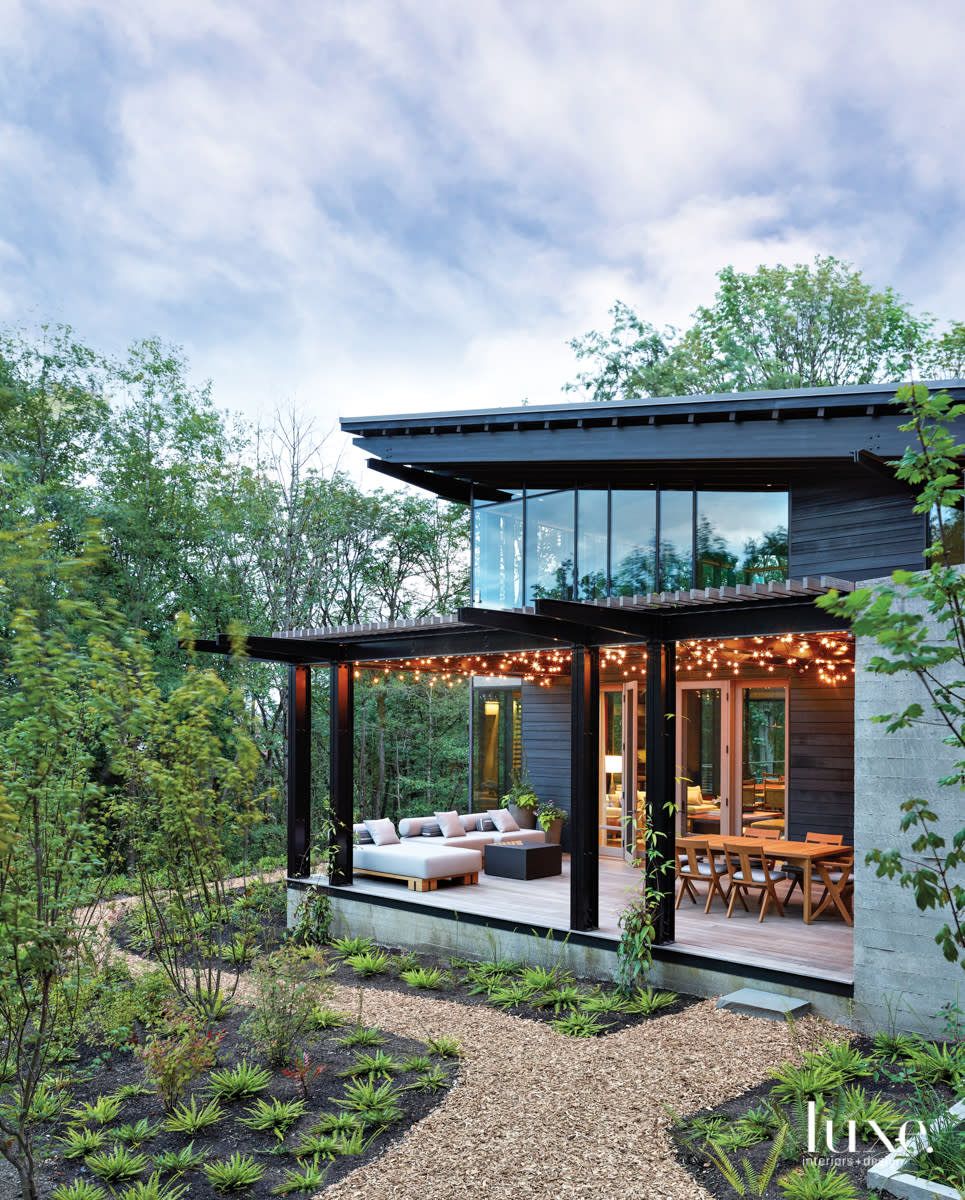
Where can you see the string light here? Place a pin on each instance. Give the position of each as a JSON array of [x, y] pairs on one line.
[[827, 657]]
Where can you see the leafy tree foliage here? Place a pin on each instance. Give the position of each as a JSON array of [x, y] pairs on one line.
[[197, 513], [804, 326]]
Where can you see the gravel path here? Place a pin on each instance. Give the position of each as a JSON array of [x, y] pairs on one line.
[[539, 1115]]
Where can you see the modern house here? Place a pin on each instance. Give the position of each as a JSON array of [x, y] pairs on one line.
[[644, 645]]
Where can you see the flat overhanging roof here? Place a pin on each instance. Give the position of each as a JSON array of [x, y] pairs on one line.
[[732, 611]]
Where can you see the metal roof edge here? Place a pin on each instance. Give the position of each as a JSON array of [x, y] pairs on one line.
[[373, 425]]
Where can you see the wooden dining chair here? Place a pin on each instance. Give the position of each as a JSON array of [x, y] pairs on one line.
[[696, 864], [795, 873], [838, 880], [750, 868]]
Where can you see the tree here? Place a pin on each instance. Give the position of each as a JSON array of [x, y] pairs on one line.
[[919, 623], [58, 703], [804, 326]]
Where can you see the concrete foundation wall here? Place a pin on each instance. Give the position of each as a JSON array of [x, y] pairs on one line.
[[901, 978], [433, 933]]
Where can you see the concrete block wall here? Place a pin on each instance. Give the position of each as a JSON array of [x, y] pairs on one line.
[[901, 978]]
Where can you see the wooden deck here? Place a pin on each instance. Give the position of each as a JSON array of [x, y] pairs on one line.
[[824, 950]]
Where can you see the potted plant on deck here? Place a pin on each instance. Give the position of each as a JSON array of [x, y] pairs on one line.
[[521, 801], [550, 819]]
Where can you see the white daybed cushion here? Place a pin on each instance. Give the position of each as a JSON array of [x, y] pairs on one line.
[[417, 858], [450, 824], [382, 831], [503, 821]]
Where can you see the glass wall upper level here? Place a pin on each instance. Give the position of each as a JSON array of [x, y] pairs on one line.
[[586, 544]]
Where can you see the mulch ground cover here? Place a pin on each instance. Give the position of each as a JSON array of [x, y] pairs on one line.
[[90, 1080]]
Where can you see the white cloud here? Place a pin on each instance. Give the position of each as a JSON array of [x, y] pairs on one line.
[[391, 206]]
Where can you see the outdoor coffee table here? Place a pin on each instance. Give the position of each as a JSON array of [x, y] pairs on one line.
[[523, 860]]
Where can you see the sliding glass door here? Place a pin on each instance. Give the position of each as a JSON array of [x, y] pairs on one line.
[[732, 757], [622, 772]]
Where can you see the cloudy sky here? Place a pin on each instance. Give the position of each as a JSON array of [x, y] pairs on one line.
[[380, 206]]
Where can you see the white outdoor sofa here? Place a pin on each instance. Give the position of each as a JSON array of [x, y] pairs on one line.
[[472, 838], [422, 862]]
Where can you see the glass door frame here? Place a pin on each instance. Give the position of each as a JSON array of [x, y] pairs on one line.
[[630, 808], [751, 685], [726, 740], [731, 747]]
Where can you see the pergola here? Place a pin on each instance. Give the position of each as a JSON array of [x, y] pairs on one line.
[[657, 622]]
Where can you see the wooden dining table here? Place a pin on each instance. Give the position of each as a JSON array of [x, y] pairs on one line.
[[805, 854]]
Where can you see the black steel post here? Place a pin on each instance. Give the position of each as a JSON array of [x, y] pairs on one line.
[[585, 788], [299, 771], [661, 782], [341, 755]]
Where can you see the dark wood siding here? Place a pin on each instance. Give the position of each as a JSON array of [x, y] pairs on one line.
[[820, 758], [855, 527], [546, 743]]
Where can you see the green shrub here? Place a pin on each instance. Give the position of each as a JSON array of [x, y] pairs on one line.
[[179, 1054], [286, 991]]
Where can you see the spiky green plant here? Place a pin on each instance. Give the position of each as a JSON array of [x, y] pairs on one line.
[[605, 1002], [810, 1182], [646, 1001], [311, 1178], [240, 1082], [153, 1189], [80, 1189], [416, 1062], [343, 1122], [117, 1165], [375, 1105], [744, 1179], [445, 1047], [424, 978], [843, 1057], [273, 1116], [369, 962], [329, 1018], [892, 1046], [811, 1079], [185, 1159], [102, 1111], [138, 1132], [581, 1025], [432, 1080], [46, 1104], [352, 945], [78, 1143], [378, 1063], [233, 1174], [510, 995], [190, 1120], [362, 1037], [937, 1062]]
